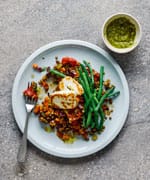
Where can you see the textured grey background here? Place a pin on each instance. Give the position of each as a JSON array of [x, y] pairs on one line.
[[25, 25]]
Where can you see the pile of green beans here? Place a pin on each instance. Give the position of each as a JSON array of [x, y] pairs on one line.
[[93, 113]]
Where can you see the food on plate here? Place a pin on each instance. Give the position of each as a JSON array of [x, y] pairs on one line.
[[80, 102]]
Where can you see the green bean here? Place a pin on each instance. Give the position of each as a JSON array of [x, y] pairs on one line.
[[91, 84], [85, 71], [80, 71], [101, 113], [101, 82], [83, 85], [93, 125], [86, 83], [88, 101], [113, 95], [96, 119], [89, 120], [102, 119], [91, 99], [87, 94], [86, 79], [81, 80], [53, 71], [91, 73], [109, 91], [85, 110]]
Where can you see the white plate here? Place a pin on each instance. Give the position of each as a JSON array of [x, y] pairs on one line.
[[80, 50]]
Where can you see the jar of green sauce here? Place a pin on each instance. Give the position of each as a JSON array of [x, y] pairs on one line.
[[121, 33]]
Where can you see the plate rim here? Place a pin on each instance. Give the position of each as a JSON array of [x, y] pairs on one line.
[[92, 47]]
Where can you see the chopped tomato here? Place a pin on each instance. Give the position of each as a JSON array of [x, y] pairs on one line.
[[69, 60], [30, 92]]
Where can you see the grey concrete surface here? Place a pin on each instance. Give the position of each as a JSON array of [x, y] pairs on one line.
[[25, 25]]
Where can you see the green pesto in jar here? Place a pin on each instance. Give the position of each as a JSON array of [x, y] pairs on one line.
[[121, 33]]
